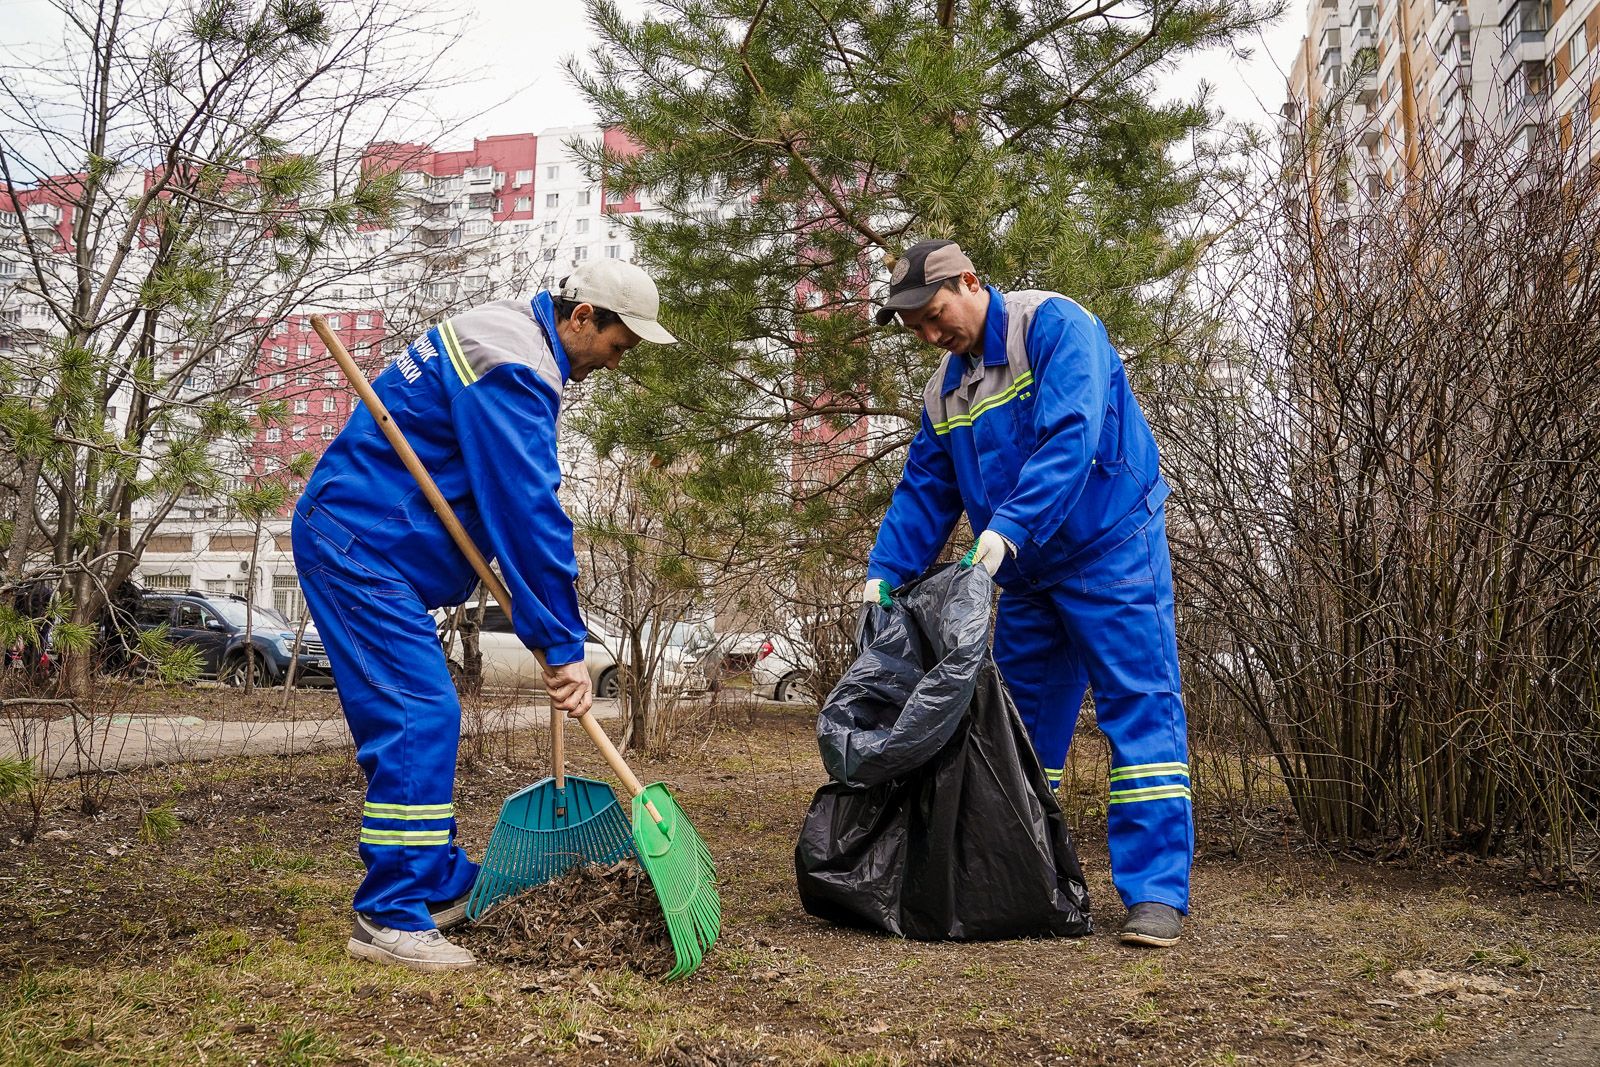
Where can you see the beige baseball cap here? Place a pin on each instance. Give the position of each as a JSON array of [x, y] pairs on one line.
[[622, 287]]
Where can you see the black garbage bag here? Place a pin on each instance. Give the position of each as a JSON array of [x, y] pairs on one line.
[[939, 823]]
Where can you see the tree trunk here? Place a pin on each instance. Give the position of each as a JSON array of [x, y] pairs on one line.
[[250, 610], [23, 528]]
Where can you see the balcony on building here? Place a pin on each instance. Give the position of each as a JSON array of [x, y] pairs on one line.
[[1451, 31], [1523, 25], [1527, 87], [1330, 67], [478, 178]]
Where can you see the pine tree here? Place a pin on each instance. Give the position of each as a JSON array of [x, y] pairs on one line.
[[795, 147]]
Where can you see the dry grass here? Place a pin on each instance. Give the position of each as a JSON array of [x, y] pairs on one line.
[[224, 944]]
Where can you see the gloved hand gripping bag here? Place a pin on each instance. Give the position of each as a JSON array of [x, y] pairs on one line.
[[939, 823]]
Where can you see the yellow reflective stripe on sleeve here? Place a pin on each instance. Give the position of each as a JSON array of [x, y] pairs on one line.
[[1009, 393], [1155, 792], [408, 811], [369, 836], [1149, 770], [458, 358]]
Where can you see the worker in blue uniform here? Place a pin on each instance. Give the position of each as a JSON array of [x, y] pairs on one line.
[[1029, 425], [478, 397]]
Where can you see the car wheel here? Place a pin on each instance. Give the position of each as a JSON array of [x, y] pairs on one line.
[[234, 670], [794, 688], [610, 685], [457, 675]]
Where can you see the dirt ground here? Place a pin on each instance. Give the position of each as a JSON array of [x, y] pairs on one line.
[[216, 935]]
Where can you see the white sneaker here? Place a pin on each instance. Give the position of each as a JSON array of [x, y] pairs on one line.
[[420, 950]]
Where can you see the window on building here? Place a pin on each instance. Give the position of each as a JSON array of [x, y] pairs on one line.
[[582, 226], [216, 585], [550, 227], [580, 253], [584, 197], [280, 328], [334, 322], [478, 227], [327, 432], [303, 378], [552, 199], [523, 203], [274, 435], [363, 322], [286, 596], [299, 433], [613, 251], [523, 177], [553, 171], [303, 349], [173, 580], [329, 405], [1577, 49], [299, 407], [277, 381], [548, 254]]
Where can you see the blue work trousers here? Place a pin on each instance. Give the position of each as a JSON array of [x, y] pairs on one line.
[[403, 712], [1109, 627]]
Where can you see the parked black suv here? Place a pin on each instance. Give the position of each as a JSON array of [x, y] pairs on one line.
[[214, 623]]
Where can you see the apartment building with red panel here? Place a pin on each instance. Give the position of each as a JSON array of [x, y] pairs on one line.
[[294, 369]]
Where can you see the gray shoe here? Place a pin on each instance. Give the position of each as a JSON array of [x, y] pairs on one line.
[[451, 913], [420, 950], [1148, 923]]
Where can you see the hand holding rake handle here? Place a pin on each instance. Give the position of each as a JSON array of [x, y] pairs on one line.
[[463, 541]]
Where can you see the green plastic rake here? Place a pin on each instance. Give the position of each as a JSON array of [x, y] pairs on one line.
[[534, 846]]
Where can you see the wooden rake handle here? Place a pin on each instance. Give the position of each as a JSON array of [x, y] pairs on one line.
[[463, 541]]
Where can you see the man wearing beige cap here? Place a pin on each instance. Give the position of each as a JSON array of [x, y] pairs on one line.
[[1029, 426], [478, 397]]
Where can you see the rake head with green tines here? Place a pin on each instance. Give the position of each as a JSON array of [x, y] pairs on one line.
[[683, 874], [544, 832]]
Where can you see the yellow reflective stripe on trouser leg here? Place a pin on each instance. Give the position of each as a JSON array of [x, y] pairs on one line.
[[458, 358], [372, 836], [1149, 770], [408, 811], [1155, 792], [1054, 774]]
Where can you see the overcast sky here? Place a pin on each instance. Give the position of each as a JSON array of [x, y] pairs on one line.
[[515, 48]]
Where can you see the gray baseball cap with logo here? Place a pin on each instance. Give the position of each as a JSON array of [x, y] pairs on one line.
[[622, 287], [923, 268]]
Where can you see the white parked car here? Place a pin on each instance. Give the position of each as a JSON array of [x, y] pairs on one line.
[[507, 663], [780, 667]]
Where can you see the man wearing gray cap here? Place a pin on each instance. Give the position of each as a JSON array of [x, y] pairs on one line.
[[1029, 426], [478, 397]]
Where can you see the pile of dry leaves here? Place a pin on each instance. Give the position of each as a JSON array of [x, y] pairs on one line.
[[591, 916]]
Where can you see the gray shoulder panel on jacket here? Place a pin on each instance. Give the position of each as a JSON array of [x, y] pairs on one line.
[[502, 332]]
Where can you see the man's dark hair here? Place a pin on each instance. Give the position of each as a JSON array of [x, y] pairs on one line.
[[952, 284], [603, 317]]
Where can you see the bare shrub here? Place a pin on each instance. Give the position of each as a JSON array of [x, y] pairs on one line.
[[1387, 495]]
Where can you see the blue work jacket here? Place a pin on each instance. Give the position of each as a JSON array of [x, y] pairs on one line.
[[478, 397], [1040, 439]]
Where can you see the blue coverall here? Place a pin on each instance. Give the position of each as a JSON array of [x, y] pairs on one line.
[[478, 399], [1041, 440]]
